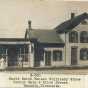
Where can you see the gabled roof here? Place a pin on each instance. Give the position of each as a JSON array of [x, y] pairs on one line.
[[45, 36], [71, 23]]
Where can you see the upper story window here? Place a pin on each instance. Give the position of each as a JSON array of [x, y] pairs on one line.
[[84, 37], [57, 55], [84, 54], [73, 37]]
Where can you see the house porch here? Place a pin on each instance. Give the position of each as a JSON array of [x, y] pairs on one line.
[[14, 54]]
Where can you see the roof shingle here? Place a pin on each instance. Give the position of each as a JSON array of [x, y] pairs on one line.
[[70, 24], [45, 36]]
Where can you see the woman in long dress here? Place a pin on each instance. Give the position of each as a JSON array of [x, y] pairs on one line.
[[2, 63], [20, 61]]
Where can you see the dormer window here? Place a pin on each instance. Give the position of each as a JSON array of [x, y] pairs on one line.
[[73, 37], [84, 37]]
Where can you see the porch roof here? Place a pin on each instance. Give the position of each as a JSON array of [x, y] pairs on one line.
[[7, 41], [45, 36], [12, 39]]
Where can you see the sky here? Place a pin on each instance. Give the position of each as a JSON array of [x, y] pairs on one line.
[[44, 14]]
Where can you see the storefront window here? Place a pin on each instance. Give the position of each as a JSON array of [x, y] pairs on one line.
[[22, 52], [3, 53]]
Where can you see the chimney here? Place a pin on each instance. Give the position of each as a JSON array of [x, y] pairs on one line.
[[72, 15], [29, 24]]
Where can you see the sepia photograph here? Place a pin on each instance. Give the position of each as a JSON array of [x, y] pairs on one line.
[[43, 44]]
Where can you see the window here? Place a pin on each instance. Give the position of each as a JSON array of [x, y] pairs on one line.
[[22, 52], [84, 37], [41, 54], [73, 37], [47, 54], [57, 55], [47, 57], [84, 54], [3, 52]]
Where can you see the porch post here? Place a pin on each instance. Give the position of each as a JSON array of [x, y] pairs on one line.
[[29, 55], [51, 57], [78, 51], [44, 57], [6, 58], [65, 49]]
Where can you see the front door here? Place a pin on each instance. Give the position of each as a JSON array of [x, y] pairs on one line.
[[73, 55], [47, 58], [12, 57]]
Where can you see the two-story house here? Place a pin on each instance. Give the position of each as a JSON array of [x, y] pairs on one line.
[[75, 33]]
